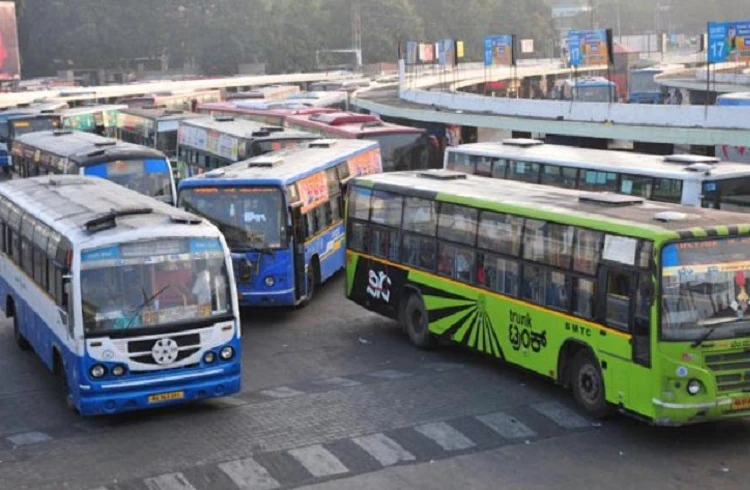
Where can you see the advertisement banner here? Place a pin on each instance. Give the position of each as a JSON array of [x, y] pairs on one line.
[[527, 46], [411, 53], [447, 52], [313, 191], [728, 41], [427, 53], [460, 50], [498, 50], [10, 60], [588, 48], [365, 163]]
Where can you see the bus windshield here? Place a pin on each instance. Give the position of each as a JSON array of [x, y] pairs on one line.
[[32, 126], [251, 218], [643, 82], [705, 286], [593, 94], [728, 194], [147, 284], [403, 151], [149, 177]]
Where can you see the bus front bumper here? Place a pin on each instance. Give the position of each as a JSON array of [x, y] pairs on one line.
[[265, 299], [131, 396], [677, 414]]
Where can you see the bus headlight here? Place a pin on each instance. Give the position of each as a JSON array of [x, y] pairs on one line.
[[98, 371], [270, 281], [226, 353], [694, 387], [118, 370], [209, 357]]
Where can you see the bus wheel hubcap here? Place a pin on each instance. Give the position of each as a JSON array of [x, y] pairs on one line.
[[589, 382], [416, 321]]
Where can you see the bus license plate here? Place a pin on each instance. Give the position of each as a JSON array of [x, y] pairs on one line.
[[166, 397], [741, 403]]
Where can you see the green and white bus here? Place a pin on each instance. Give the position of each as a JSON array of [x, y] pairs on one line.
[[636, 305]]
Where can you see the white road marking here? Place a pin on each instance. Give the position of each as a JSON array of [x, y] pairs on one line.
[[381, 447], [318, 461], [561, 415], [445, 436], [28, 438], [247, 474], [390, 374], [282, 392], [170, 481], [337, 382], [506, 426]]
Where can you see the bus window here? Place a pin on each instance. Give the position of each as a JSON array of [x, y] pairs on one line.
[[420, 216], [586, 254], [386, 209], [419, 252], [497, 274], [583, 297], [635, 185], [559, 176], [499, 168], [458, 224], [668, 190], [734, 194], [456, 263], [500, 233], [524, 172], [618, 300], [593, 180], [484, 166]]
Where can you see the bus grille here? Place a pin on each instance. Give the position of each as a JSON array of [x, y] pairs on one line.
[[732, 371], [140, 350]]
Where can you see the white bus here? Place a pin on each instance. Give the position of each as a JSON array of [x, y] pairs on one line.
[[130, 301], [691, 180]]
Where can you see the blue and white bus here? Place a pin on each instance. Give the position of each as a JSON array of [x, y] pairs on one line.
[[136, 167], [595, 89], [282, 216], [130, 301]]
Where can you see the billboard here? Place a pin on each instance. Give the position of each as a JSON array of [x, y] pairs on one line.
[[587, 48], [10, 60], [498, 50], [447, 52], [427, 53], [728, 41]]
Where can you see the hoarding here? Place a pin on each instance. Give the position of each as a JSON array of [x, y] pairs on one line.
[[447, 52], [728, 41], [588, 48], [10, 60], [411, 52], [498, 50]]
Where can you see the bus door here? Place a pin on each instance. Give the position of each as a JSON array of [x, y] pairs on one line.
[[298, 249], [619, 301]]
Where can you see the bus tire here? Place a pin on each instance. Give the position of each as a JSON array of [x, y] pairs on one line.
[[416, 322], [62, 375], [21, 341], [312, 280], [587, 384]]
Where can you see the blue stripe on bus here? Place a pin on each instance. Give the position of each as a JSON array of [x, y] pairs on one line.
[[198, 245], [156, 166], [97, 170], [670, 256], [104, 253]]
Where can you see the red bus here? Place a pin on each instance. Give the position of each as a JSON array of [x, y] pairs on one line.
[[274, 114], [402, 147]]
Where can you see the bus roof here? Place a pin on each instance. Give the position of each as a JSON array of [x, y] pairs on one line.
[[285, 166], [350, 124], [608, 212], [157, 113], [86, 148], [66, 203], [641, 163], [75, 111], [242, 128]]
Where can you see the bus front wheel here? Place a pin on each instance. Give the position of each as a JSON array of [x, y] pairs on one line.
[[588, 385], [416, 322]]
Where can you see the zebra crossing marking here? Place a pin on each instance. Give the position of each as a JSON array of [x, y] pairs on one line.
[[169, 481], [505, 425], [562, 415], [247, 474], [318, 461], [384, 449], [445, 436]]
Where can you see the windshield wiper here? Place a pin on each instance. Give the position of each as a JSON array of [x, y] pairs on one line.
[[137, 312], [705, 336]]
